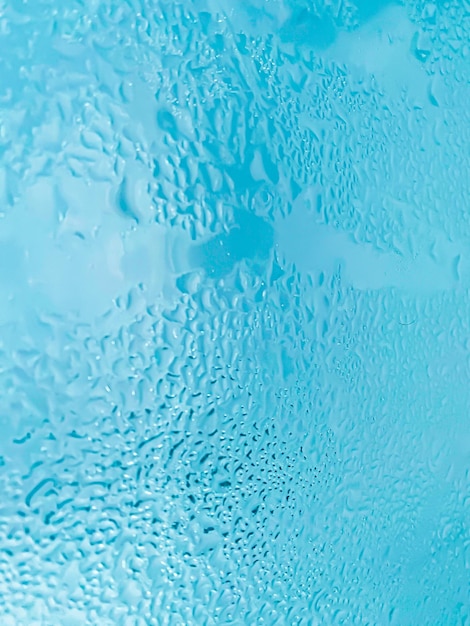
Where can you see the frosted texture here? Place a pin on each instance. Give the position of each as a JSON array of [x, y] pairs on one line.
[[235, 313]]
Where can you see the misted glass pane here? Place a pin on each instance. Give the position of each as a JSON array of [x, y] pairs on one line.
[[234, 312]]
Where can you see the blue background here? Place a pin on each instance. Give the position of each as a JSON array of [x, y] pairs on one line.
[[234, 313]]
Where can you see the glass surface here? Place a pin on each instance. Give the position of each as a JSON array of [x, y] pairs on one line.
[[234, 312]]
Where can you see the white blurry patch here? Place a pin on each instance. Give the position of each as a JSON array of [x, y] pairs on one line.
[[383, 48], [437, 264], [73, 253]]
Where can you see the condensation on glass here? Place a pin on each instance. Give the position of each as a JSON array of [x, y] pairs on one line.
[[234, 312]]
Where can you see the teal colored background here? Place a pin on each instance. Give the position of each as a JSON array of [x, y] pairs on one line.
[[234, 313]]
